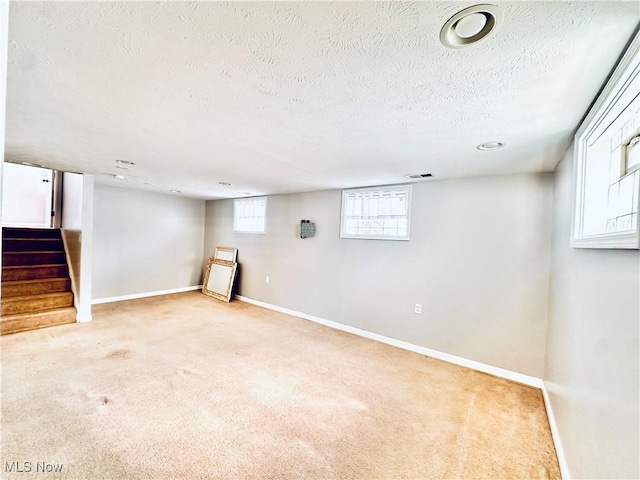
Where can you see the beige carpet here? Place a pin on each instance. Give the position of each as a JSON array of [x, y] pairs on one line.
[[184, 386]]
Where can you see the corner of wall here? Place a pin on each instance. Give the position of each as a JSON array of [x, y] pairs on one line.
[[555, 435], [86, 255]]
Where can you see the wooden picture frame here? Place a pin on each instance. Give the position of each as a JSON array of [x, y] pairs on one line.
[[218, 279], [226, 254]]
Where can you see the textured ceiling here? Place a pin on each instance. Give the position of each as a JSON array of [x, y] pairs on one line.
[[288, 97]]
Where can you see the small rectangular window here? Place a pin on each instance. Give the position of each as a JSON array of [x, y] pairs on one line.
[[249, 215], [607, 162], [378, 213]]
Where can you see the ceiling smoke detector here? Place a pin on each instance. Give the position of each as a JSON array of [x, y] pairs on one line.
[[488, 146], [226, 184], [470, 26]]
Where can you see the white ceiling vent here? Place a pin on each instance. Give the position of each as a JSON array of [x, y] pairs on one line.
[[417, 176], [470, 26]]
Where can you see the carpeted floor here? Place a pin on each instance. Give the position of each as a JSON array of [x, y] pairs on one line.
[[184, 386]]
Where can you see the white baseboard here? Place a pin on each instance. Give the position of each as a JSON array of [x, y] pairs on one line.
[[555, 434], [464, 362], [98, 301]]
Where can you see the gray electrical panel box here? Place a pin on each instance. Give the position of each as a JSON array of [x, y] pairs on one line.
[[307, 228]]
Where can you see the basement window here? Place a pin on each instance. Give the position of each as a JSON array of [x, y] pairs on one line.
[[249, 215], [378, 213], [607, 150]]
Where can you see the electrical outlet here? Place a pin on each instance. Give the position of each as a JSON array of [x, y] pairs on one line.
[[267, 279], [418, 309]]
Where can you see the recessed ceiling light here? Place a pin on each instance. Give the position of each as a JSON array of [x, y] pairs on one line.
[[149, 183], [470, 26], [226, 184], [119, 177], [120, 167], [125, 162], [176, 191], [490, 146]]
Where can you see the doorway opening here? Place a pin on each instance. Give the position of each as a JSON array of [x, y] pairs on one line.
[[28, 196]]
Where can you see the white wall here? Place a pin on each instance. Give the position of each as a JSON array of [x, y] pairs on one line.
[[592, 368], [478, 262], [77, 233], [86, 255], [145, 242], [72, 200], [4, 43]]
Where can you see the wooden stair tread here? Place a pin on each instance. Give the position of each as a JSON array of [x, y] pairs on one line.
[[25, 259], [33, 239], [8, 283], [15, 267], [39, 314], [10, 232], [32, 272], [32, 252], [19, 288], [36, 303], [40, 296], [16, 245], [30, 321]]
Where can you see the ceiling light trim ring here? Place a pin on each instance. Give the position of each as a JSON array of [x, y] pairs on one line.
[[452, 39], [490, 146]]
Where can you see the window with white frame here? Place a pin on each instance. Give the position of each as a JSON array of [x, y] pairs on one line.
[[249, 215], [607, 159], [379, 213]]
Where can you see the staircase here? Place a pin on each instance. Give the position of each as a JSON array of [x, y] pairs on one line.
[[36, 288]]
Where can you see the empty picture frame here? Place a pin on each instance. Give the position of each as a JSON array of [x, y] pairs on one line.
[[218, 279], [227, 254]]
